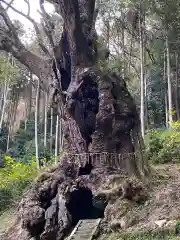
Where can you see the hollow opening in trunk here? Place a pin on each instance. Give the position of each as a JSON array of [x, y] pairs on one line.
[[85, 170], [83, 205]]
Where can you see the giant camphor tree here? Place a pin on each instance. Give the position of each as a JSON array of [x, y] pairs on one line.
[[98, 113]]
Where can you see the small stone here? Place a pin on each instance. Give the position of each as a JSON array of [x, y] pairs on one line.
[[125, 223], [171, 223], [115, 224], [146, 203], [161, 223]]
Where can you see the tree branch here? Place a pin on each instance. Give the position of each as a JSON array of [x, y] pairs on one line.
[[136, 38], [53, 1], [11, 2], [10, 42], [7, 20], [28, 4], [38, 33], [49, 25]]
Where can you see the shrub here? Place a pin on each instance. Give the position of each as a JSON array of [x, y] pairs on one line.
[[14, 179], [175, 125], [155, 143], [164, 146], [177, 227], [171, 149], [5, 198]]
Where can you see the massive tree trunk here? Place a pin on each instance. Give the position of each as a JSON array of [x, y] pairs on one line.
[[101, 126]]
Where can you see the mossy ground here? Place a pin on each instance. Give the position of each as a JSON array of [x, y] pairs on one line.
[[156, 235], [163, 203]]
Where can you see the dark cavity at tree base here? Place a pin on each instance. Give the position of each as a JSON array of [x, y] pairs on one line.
[[58, 200]]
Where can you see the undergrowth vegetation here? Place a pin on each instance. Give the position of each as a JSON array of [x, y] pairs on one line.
[[164, 145], [22, 145], [15, 177], [149, 235]]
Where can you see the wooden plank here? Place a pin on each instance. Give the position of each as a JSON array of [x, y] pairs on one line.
[[74, 230], [85, 229], [95, 229]]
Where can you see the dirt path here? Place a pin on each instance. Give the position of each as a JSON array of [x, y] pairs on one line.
[[7, 219]]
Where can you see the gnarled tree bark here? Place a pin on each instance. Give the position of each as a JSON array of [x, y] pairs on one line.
[[98, 115]]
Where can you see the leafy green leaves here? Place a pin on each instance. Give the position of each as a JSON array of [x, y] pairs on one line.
[[8, 72]]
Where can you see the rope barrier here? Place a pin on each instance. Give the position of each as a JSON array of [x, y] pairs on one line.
[[104, 158]]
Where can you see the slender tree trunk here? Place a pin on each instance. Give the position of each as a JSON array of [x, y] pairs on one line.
[[26, 100], [8, 141], [142, 72], [25, 121], [57, 138], [166, 110], [177, 88], [5, 95], [146, 100], [107, 33], [165, 93], [41, 112], [123, 48], [45, 122], [169, 84], [60, 136], [51, 130], [10, 114], [36, 126], [1, 96], [16, 101], [146, 73], [30, 87], [5, 92]]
